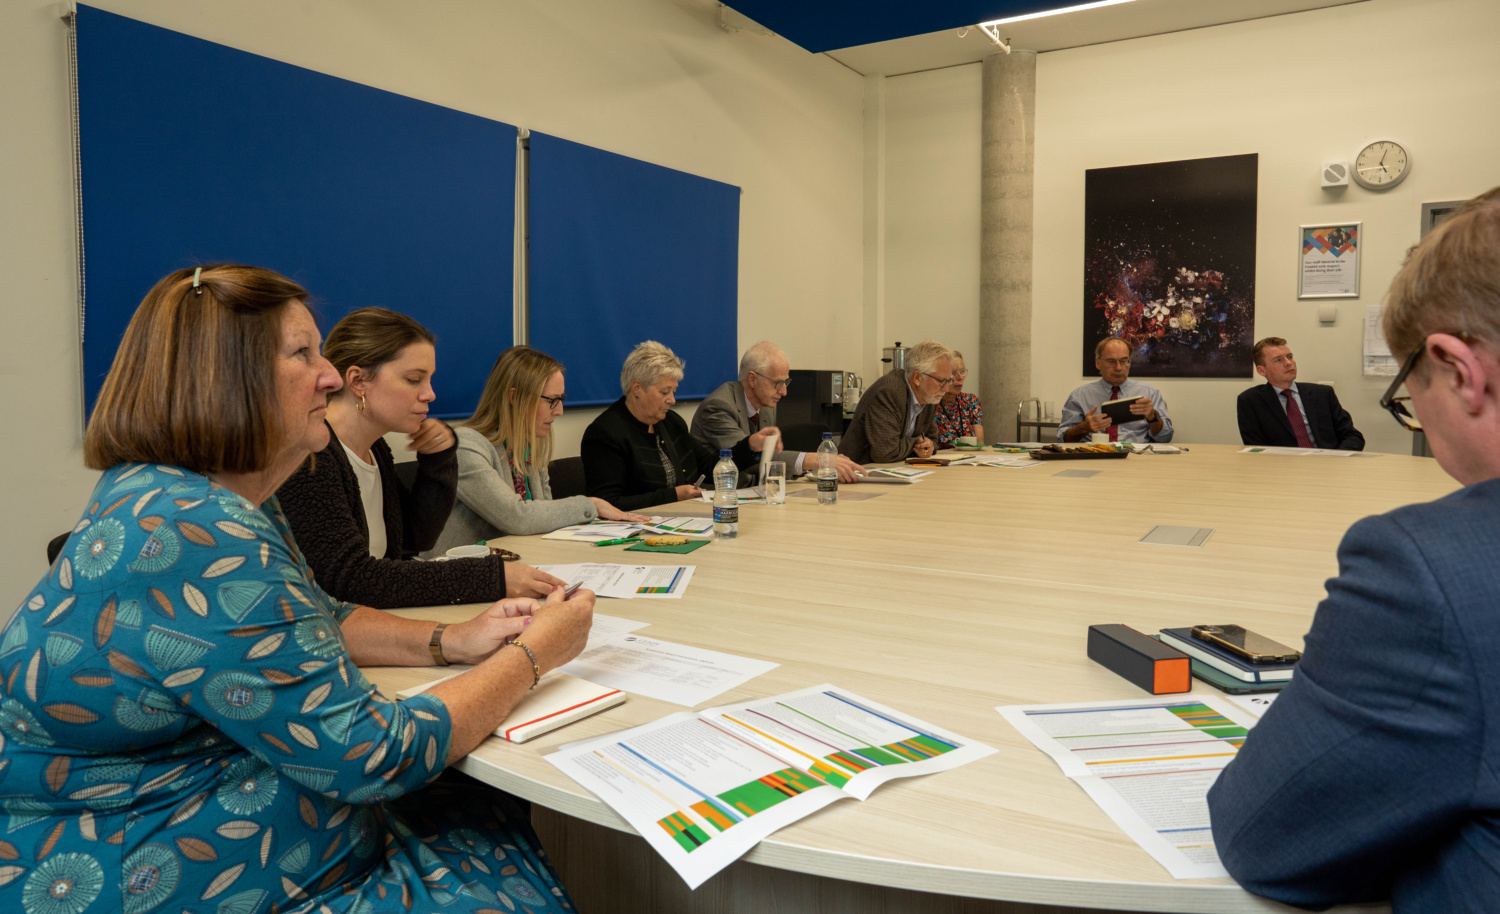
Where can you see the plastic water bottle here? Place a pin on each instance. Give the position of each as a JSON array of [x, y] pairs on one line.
[[726, 497], [828, 471]]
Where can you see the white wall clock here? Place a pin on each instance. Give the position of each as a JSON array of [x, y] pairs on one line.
[[1381, 165]]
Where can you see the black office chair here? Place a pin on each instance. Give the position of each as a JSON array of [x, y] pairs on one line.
[[566, 476], [55, 546], [802, 437]]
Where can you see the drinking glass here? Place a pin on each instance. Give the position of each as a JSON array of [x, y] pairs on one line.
[[776, 482]]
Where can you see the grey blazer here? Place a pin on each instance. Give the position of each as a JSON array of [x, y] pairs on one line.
[[721, 422], [488, 505]]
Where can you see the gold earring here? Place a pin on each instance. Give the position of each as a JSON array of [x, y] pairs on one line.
[[362, 404]]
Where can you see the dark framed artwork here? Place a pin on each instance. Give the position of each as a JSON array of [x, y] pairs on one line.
[[1169, 265]]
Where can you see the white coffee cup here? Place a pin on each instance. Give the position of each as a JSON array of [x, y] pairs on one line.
[[468, 552], [967, 441], [1096, 438]]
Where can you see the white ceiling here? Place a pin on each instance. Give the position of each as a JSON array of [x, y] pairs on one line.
[[1070, 30]]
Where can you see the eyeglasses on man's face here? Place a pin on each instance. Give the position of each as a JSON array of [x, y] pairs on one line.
[[941, 382], [782, 385], [1399, 407]]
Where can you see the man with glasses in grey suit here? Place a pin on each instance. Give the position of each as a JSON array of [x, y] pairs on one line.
[[744, 407]]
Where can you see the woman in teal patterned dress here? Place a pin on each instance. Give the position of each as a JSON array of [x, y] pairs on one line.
[[183, 720]]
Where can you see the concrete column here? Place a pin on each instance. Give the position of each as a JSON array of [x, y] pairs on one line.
[[1006, 166]]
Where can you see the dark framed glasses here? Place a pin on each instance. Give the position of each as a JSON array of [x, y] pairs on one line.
[[1399, 407], [554, 402]]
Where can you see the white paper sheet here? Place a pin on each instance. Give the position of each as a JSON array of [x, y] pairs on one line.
[[671, 672], [705, 788], [615, 581], [1148, 763], [1257, 703], [665, 582], [607, 627], [1378, 361], [1298, 451]]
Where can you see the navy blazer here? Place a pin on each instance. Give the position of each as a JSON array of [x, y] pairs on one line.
[[1377, 771], [1263, 418]]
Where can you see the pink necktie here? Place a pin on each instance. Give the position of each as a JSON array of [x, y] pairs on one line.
[[1114, 430], [1294, 415]]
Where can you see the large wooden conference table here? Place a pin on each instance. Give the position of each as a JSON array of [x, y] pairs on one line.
[[944, 599]]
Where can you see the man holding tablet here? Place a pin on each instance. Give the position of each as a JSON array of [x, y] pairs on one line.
[[1084, 413]]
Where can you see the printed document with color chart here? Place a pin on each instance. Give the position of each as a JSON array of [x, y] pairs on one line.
[[1148, 763], [704, 788]]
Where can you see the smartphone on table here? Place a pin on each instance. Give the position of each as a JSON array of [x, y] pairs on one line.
[[1242, 642]]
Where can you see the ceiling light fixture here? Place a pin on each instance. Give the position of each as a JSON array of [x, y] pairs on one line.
[[995, 35]]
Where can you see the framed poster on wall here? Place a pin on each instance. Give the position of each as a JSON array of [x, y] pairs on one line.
[[1328, 266]]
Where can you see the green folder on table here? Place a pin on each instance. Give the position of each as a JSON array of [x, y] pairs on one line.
[[679, 549]]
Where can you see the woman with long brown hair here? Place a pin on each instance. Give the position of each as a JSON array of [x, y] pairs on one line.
[[503, 452], [356, 522]]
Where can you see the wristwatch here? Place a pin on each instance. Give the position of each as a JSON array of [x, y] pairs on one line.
[[435, 644]]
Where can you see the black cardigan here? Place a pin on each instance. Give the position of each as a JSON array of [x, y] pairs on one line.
[[323, 506], [621, 464]]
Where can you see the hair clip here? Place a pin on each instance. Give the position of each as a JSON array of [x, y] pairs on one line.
[[197, 289]]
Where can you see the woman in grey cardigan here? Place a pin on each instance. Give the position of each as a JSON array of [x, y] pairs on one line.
[[503, 451]]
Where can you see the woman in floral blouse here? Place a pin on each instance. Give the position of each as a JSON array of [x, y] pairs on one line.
[[189, 727], [959, 415]]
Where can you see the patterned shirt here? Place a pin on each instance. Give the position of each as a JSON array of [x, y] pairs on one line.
[[957, 419], [188, 730]]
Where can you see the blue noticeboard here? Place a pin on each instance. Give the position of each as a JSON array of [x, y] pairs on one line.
[[195, 153], [623, 251]]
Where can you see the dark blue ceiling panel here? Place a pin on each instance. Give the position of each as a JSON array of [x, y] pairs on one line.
[[827, 25]]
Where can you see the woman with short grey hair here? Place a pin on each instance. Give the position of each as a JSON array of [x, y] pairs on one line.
[[638, 452]]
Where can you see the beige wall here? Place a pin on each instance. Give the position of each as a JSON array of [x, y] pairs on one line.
[[932, 210], [1299, 90], [654, 79]]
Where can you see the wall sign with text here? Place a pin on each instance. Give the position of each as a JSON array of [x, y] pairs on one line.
[[1329, 265]]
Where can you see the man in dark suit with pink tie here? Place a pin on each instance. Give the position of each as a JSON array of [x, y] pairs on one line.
[[1284, 413]]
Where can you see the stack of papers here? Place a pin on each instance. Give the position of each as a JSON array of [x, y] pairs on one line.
[[1007, 461], [596, 532], [626, 582], [705, 788], [751, 496], [895, 474], [696, 527], [1148, 763]]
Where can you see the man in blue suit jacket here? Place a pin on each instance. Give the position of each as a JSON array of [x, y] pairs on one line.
[[1266, 411], [1377, 771]]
